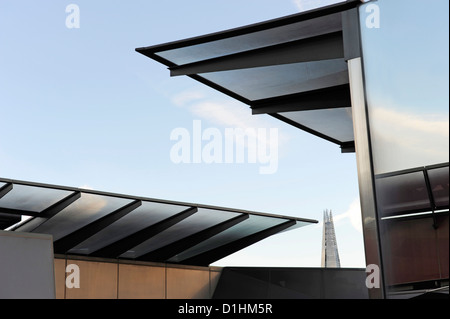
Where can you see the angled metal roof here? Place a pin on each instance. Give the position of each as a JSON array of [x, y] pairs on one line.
[[293, 68], [99, 224]]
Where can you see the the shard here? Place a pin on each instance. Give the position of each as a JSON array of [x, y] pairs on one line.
[[330, 254]]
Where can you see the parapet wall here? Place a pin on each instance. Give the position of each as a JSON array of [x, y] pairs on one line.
[[119, 279]]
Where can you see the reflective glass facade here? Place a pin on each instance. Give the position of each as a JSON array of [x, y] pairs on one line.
[[405, 60]]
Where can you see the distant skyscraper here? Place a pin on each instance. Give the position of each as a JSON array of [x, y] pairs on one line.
[[330, 254]]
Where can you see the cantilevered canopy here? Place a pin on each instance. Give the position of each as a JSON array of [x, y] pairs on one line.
[[99, 224], [293, 68]]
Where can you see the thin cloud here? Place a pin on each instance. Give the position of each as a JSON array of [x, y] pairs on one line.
[[225, 114], [353, 215], [186, 97], [419, 139]]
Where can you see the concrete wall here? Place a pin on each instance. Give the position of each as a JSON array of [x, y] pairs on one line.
[[26, 266], [117, 279]]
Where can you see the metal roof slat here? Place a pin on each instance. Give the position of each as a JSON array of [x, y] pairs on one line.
[[323, 47], [5, 189], [164, 253], [71, 240], [123, 245], [330, 97], [220, 252], [40, 218], [19, 212]]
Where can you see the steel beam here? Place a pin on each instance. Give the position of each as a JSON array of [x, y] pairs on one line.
[[19, 212], [208, 257], [305, 128], [5, 189], [62, 245], [330, 97], [323, 47], [123, 245], [7, 220], [164, 253], [51, 211], [59, 206]]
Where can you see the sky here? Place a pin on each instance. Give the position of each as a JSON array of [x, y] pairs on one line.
[[79, 107], [408, 128]]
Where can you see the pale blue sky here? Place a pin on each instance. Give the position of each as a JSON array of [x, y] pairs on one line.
[[79, 107], [407, 79]]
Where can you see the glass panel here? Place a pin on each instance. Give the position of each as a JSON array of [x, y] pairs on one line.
[[83, 211], [32, 198], [406, 73], [406, 69], [145, 215], [270, 81], [201, 220], [336, 123], [401, 194], [439, 185], [291, 32], [248, 227]]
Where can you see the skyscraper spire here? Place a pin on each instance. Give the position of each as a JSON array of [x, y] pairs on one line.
[[330, 254]]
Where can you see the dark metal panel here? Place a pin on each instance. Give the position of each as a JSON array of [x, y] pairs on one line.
[[348, 147], [181, 245], [19, 212], [5, 189], [220, 252], [306, 129], [121, 246], [351, 33], [331, 97], [410, 191], [431, 197], [439, 185], [323, 47], [7, 220], [64, 244], [220, 88], [59, 206], [409, 257]]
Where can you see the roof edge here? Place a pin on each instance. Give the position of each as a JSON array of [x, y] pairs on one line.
[[268, 24]]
